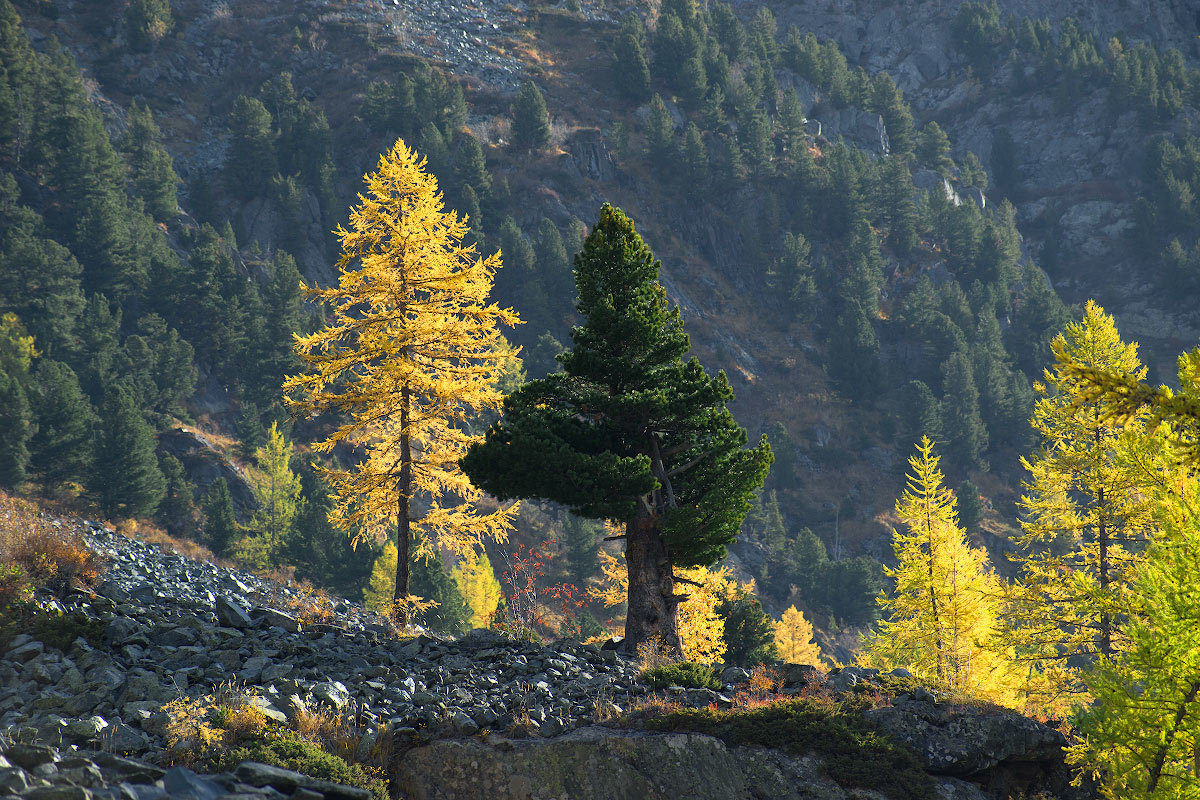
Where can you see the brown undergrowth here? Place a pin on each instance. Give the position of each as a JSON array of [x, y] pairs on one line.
[[39, 551]]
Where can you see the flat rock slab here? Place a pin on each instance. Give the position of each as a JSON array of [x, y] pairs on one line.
[[603, 764]]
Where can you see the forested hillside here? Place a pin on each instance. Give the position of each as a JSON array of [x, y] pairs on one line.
[[868, 265]]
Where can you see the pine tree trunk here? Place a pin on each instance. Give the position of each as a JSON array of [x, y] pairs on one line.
[[653, 605], [403, 512]]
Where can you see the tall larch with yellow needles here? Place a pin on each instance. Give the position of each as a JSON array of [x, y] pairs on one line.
[[411, 352], [941, 616], [1089, 511]]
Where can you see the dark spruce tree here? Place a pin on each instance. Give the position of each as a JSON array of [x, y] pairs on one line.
[[220, 525], [62, 446], [629, 431], [126, 471], [531, 121], [16, 426], [631, 71]]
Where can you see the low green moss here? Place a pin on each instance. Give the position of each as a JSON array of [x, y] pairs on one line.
[[687, 674], [854, 754], [288, 751]]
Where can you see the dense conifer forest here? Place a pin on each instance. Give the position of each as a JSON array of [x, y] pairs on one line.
[[854, 282]]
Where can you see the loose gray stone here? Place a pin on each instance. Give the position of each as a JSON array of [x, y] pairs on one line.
[[232, 615]]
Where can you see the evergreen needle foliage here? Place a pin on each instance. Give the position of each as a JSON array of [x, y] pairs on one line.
[[629, 431]]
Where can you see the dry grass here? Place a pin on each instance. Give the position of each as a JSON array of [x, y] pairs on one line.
[[654, 653], [309, 604], [47, 552]]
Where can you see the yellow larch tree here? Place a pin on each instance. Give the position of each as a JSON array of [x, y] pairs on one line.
[[940, 618], [1089, 512], [477, 581], [411, 352], [277, 492], [794, 638]]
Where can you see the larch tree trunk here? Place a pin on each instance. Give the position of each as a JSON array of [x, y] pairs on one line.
[[403, 512]]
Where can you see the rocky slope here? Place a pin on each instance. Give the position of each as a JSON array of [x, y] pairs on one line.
[[1079, 165], [167, 627]]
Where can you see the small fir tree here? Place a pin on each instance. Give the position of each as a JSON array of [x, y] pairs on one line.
[[220, 525], [126, 470], [531, 120], [748, 632]]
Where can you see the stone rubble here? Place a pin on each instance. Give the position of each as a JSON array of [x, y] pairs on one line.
[[470, 39], [42, 772], [73, 722], [177, 627]]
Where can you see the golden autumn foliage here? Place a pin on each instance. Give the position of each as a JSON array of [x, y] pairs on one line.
[[794, 639], [1090, 510], [701, 628], [940, 618], [411, 352], [477, 582]]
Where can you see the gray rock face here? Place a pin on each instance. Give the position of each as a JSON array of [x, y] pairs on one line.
[[601, 764], [968, 743], [863, 128]]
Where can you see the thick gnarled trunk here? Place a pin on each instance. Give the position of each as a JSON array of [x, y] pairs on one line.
[[653, 605]]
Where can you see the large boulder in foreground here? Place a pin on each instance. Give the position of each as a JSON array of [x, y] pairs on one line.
[[597, 763]]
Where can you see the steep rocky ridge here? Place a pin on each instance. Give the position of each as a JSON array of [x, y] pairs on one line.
[[1079, 164], [172, 627]]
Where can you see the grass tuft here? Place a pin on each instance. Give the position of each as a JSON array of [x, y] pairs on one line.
[[687, 674]]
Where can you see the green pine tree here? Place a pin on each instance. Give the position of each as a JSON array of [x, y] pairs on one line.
[[531, 120], [660, 138], [62, 447], [16, 428], [152, 172], [126, 474], [629, 431], [179, 501], [966, 434], [631, 71], [220, 524], [251, 160], [749, 634], [933, 148], [470, 168]]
